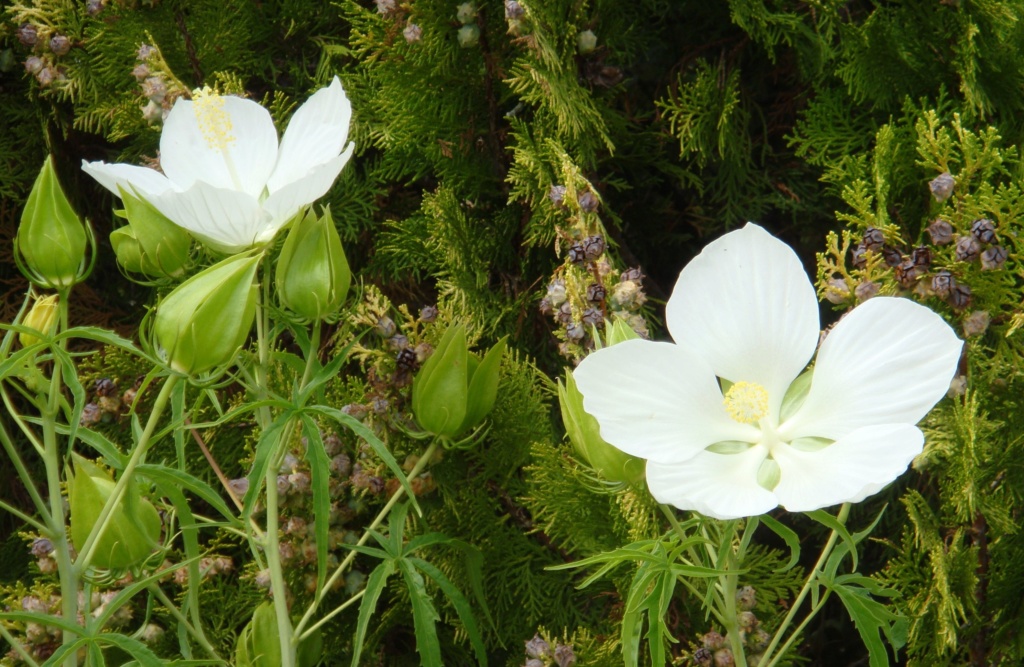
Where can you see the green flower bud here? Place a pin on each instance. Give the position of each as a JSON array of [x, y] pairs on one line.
[[50, 246], [454, 391], [42, 318], [206, 319], [618, 331], [151, 244], [259, 644], [312, 273], [133, 527], [585, 434]]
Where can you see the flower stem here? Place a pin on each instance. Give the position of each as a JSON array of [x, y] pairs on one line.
[[395, 497], [767, 660], [176, 613]]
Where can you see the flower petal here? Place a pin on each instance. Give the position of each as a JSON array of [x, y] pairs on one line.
[[142, 180], [315, 183], [316, 133], [887, 362], [226, 220], [233, 146], [656, 400], [848, 470], [747, 308], [722, 486]]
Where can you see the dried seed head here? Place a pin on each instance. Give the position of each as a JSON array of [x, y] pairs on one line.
[[538, 648], [564, 313], [407, 359], [41, 547], [412, 33], [942, 283], [593, 247], [60, 45], [941, 232], [993, 258], [577, 255], [746, 598], [575, 331], [556, 292], [27, 34], [942, 186], [428, 314], [866, 290], [104, 387], [976, 323], [984, 230], [596, 293], [907, 273], [960, 296], [557, 194], [91, 415], [723, 658], [634, 275], [564, 656], [858, 256], [921, 256], [967, 249], [873, 239], [836, 290], [713, 641], [702, 657], [587, 201], [592, 317], [513, 10], [892, 256]]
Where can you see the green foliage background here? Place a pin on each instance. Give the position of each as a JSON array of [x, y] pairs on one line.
[[688, 119]]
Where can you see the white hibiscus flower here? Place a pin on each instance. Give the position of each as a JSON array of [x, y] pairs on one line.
[[728, 421], [225, 178]]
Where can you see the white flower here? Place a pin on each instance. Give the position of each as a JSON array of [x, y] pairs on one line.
[[227, 180], [730, 426]]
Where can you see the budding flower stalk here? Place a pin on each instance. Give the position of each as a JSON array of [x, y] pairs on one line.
[[313, 275]]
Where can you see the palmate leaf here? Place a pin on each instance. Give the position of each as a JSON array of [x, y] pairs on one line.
[[374, 585], [320, 470], [873, 619], [424, 616]]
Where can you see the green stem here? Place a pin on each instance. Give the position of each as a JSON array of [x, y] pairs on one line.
[[340, 570], [18, 648], [767, 660], [138, 456], [334, 612], [23, 475], [54, 464], [727, 584], [176, 613]]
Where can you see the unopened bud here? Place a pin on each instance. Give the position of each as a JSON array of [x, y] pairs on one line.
[[469, 36], [586, 42], [51, 242], [312, 275], [42, 318], [466, 12]]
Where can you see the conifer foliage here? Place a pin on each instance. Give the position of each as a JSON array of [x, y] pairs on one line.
[[538, 169]]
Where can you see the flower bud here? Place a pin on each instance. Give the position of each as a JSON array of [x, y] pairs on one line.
[[151, 244], [259, 643], [206, 319], [50, 246], [132, 529], [42, 318], [454, 391], [586, 42], [469, 35], [585, 434], [312, 273], [466, 13]]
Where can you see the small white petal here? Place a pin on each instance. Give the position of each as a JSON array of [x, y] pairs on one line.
[[141, 180], [656, 400], [848, 470], [721, 486], [235, 150], [315, 183], [887, 362], [316, 133], [226, 220], [746, 306]]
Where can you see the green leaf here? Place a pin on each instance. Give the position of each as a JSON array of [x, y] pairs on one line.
[[320, 471], [461, 604], [829, 521], [872, 619], [483, 386], [788, 536], [374, 585], [133, 647], [265, 448], [424, 616], [165, 478]]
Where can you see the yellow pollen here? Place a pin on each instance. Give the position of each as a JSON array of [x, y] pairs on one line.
[[214, 122], [746, 402]]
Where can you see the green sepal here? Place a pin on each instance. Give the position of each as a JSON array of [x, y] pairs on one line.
[[313, 275], [51, 238], [164, 247], [259, 644], [133, 527], [483, 385], [440, 390]]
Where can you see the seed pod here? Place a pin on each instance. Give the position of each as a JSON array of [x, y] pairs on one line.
[[586, 42], [407, 359], [538, 648], [564, 656], [34, 64], [577, 255], [984, 230], [702, 657], [466, 13], [960, 296], [575, 332], [593, 247], [921, 256], [428, 314], [907, 273], [60, 45], [713, 641], [942, 283], [513, 10], [967, 249], [892, 256], [836, 290], [587, 201], [873, 239], [545, 307], [632, 275], [564, 313], [993, 258], [866, 290], [724, 658], [556, 292], [596, 293], [858, 256], [746, 598], [592, 317], [412, 33], [976, 323], [469, 36], [28, 35], [942, 186], [941, 232], [557, 194]]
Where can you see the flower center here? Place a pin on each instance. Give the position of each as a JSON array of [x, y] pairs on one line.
[[746, 402], [214, 122]]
